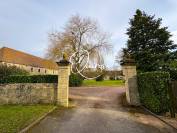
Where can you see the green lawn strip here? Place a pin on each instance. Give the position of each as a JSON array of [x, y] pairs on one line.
[[94, 83], [13, 118]]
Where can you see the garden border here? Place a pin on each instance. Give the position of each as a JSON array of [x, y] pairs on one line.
[[158, 117], [24, 130]]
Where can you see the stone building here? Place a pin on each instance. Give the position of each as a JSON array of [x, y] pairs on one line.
[[30, 63], [113, 74]]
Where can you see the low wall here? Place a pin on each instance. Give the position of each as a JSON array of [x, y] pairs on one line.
[[28, 93]]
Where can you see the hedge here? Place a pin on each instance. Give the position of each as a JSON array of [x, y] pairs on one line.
[[153, 91], [100, 78], [30, 79], [75, 80], [173, 74]]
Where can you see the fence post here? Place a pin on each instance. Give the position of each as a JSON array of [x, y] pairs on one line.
[[63, 83], [171, 98], [129, 71]]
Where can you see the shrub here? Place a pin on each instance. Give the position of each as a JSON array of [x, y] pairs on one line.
[[111, 78], [11, 70], [100, 78], [173, 74], [75, 80], [30, 79], [153, 90]]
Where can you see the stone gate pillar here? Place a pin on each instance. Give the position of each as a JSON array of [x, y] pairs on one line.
[[63, 83], [129, 71]]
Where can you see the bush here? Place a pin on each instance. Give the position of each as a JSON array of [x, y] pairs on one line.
[[111, 78], [100, 78], [173, 74], [30, 79], [153, 90], [75, 80], [11, 70]]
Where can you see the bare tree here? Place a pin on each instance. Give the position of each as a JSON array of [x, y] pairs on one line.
[[79, 34], [121, 55]]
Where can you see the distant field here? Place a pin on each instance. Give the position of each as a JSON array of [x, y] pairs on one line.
[[112, 83]]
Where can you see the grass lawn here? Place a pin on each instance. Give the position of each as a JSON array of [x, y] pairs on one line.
[[112, 83], [13, 118]]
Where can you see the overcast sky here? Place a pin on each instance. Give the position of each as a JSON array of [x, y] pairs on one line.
[[24, 24]]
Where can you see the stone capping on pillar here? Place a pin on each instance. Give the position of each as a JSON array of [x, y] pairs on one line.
[[63, 62], [128, 62]]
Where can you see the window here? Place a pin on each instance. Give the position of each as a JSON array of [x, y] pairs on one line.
[[31, 69], [39, 70]]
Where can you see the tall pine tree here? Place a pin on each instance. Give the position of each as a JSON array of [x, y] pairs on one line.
[[149, 43]]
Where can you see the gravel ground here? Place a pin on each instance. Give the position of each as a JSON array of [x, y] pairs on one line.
[[100, 110]]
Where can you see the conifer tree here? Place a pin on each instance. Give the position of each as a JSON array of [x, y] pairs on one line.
[[148, 42]]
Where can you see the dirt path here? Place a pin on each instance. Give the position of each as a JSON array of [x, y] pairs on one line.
[[99, 110]]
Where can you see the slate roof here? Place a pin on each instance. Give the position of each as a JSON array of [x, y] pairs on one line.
[[17, 57]]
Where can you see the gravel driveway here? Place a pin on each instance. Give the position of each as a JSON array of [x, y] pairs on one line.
[[100, 110]]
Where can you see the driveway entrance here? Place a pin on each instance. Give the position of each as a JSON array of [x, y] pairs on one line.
[[100, 110]]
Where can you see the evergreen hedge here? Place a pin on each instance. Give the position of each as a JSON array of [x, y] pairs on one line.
[[100, 78], [153, 91], [29, 79], [173, 74], [75, 80]]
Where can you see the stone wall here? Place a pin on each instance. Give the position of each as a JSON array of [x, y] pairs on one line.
[[28, 93]]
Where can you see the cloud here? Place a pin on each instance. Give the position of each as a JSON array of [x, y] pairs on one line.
[[24, 24], [174, 36]]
